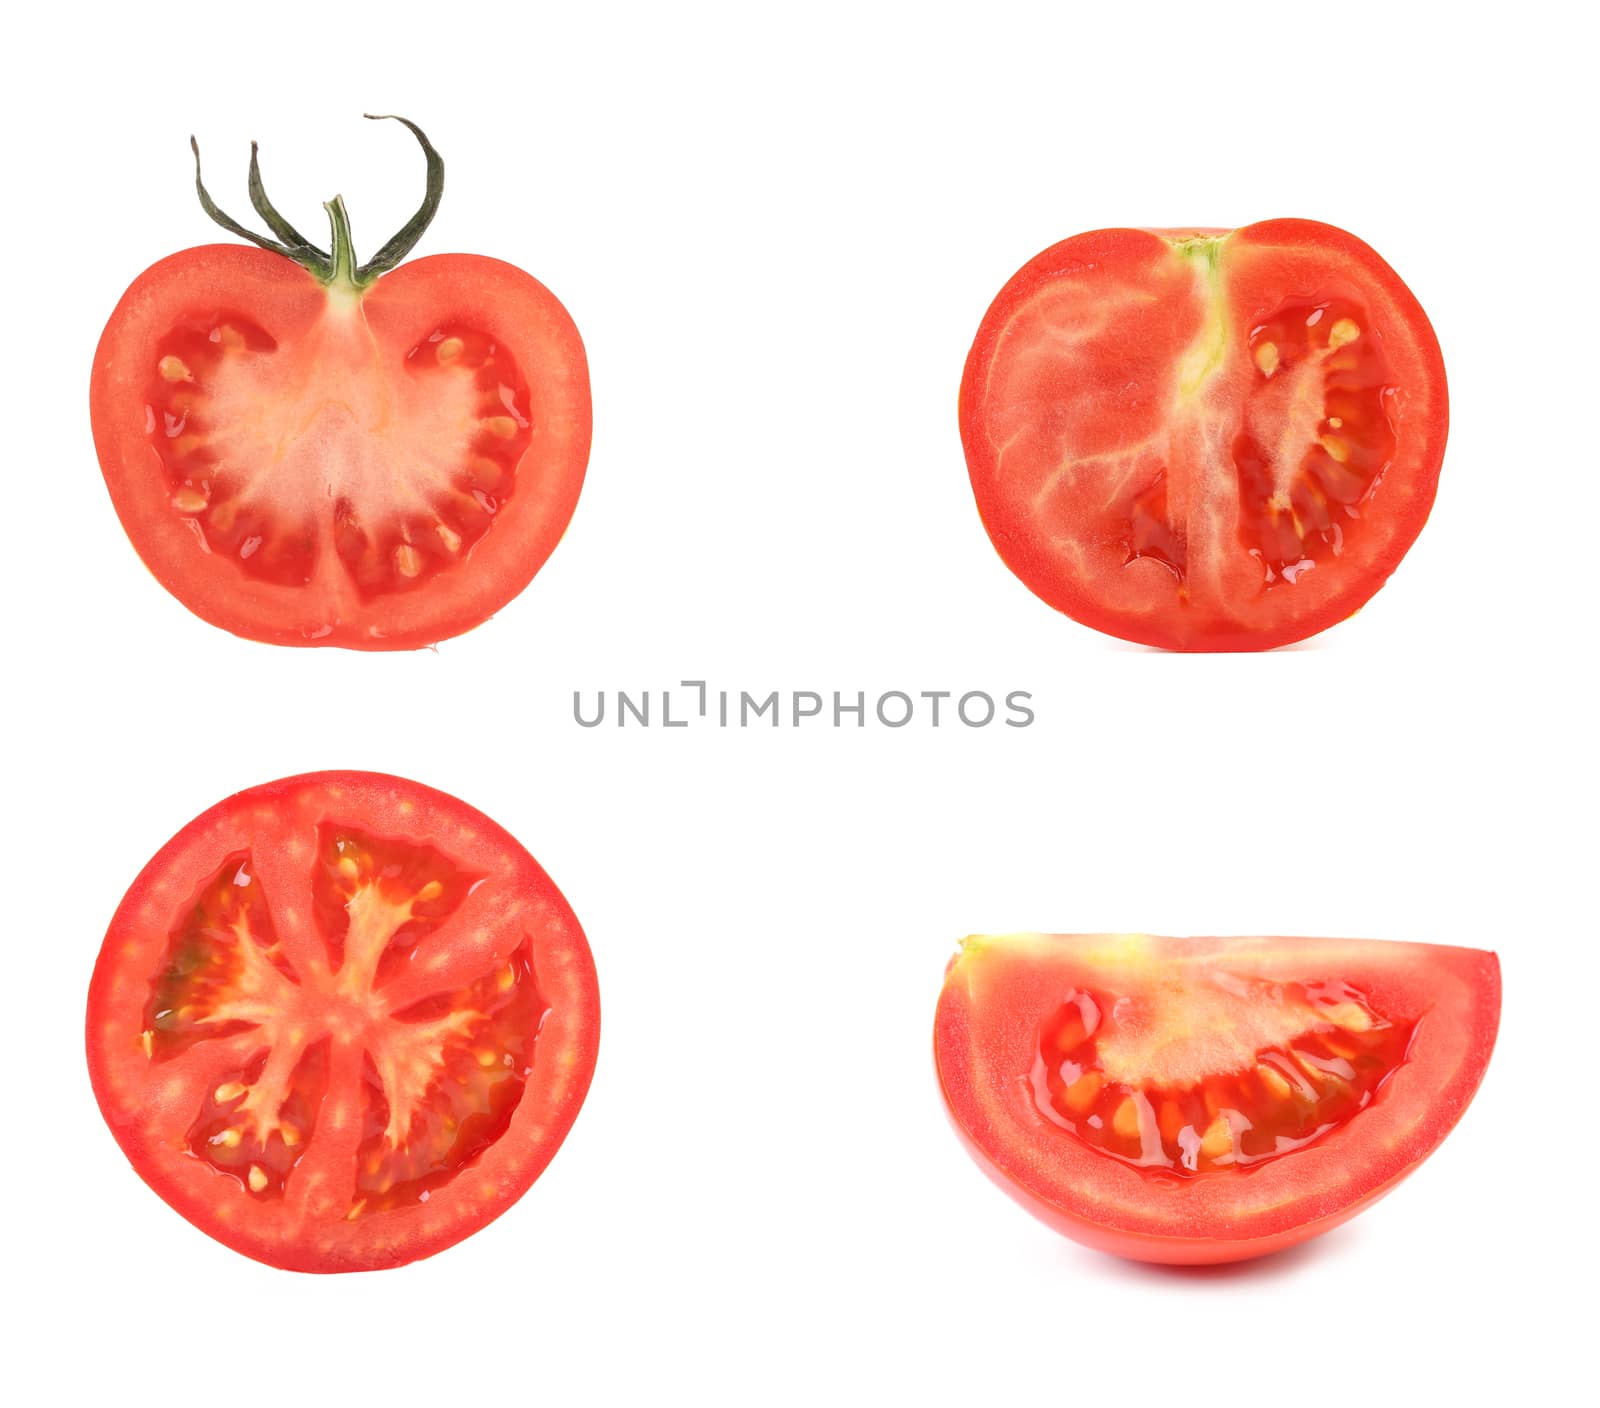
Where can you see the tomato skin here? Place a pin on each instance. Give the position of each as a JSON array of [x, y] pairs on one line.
[[997, 990], [1078, 562], [148, 1108], [1142, 1246], [402, 307]]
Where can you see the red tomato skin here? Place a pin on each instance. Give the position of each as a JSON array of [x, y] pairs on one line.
[[508, 1168], [1071, 1207], [1150, 1247], [1024, 550], [288, 301]]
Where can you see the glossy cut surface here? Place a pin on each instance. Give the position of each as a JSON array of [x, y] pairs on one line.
[[1208, 1100], [1205, 440], [341, 1021]]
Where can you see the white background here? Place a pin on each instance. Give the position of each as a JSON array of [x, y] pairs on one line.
[[777, 231]]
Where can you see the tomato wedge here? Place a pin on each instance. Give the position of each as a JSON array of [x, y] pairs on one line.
[[341, 1021], [310, 453], [1202, 439], [1207, 1100]]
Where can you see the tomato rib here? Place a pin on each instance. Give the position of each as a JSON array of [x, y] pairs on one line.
[[341, 1021]]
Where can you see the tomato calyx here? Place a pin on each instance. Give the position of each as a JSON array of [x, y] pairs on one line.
[[335, 267]]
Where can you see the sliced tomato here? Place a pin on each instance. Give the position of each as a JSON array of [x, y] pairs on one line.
[[311, 454], [341, 1021], [1205, 440], [1208, 1100]]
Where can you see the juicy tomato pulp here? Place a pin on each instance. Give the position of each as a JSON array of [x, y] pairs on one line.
[[1207, 1100], [1205, 440], [315, 465], [341, 1021]]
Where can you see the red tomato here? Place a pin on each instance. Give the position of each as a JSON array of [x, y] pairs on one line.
[[1205, 440], [308, 453], [1206, 1100], [342, 1021]]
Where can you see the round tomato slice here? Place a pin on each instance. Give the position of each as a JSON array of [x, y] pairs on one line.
[[1205, 440], [1208, 1100], [341, 1021], [309, 453]]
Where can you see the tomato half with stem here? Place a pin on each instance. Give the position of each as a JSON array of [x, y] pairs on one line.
[[1203, 439], [341, 1021], [1208, 1100], [309, 452]]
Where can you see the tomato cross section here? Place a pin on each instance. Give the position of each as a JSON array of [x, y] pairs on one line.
[[341, 1021], [1205, 440], [308, 452], [1212, 1099]]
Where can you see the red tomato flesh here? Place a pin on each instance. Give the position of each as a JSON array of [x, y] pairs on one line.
[[319, 465], [1208, 1100], [341, 1021], [1205, 440]]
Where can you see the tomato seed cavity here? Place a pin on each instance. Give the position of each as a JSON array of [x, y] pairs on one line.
[[1285, 1098], [415, 1139], [217, 412], [1323, 391], [256, 1124], [442, 1077]]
